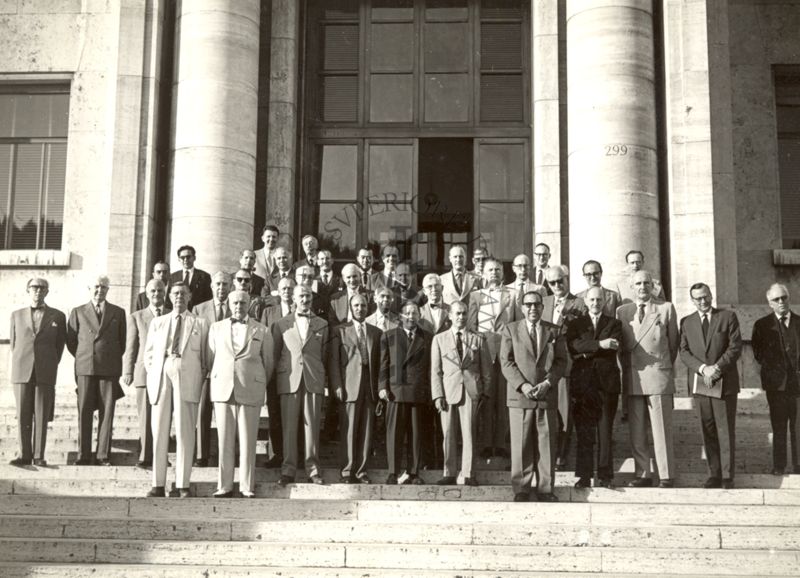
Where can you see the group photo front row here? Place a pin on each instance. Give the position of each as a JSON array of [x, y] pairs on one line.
[[463, 368]]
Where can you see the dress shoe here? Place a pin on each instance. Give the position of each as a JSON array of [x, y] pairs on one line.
[[347, 480], [156, 492], [727, 483], [144, 464], [583, 483], [184, 493], [248, 495], [712, 482], [84, 462], [363, 479], [274, 462], [200, 463], [415, 480], [471, 482], [666, 483], [19, 462], [317, 480], [521, 497], [561, 464], [103, 462], [640, 483], [391, 480], [284, 481], [486, 453], [777, 471], [447, 481], [549, 497], [41, 462], [222, 494], [605, 483]]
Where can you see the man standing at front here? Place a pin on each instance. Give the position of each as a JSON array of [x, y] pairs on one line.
[[533, 355], [175, 359], [96, 335], [37, 337], [649, 348], [711, 344]]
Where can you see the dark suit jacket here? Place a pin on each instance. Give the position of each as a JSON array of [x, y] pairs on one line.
[[200, 285], [769, 348], [406, 367], [97, 347], [257, 283], [142, 302], [346, 362], [402, 295], [593, 367], [271, 282], [334, 285], [723, 347], [40, 351]]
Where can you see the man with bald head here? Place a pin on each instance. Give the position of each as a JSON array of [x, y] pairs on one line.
[[96, 335], [435, 314], [403, 287], [523, 282], [310, 247], [340, 301], [649, 347], [161, 273], [283, 268], [458, 283], [383, 317]]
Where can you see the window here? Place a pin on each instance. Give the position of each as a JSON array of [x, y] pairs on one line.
[[787, 100], [33, 158]]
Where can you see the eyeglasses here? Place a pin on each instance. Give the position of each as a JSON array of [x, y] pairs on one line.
[[556, 282], [780, 299], [530, 303], [701, 298], [541, 254], [593, 274], [521, 265], [185, 256]]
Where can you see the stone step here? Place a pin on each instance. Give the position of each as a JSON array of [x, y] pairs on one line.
[[420, 557]]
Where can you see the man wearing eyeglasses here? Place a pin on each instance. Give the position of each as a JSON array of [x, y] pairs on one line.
[[197, 280], [711, 344], [523, 283], [533, 354], [593, 274], [160, 272], [776, 347], [479, 256], [649, 347], [241, 282], [38, 334], [541, 258], [247, 261], [562, 308]]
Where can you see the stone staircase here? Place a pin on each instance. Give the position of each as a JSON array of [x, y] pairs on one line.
[[64, 520]]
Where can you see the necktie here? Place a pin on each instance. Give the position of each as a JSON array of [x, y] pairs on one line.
[[362, 344], [391, 280], [534, 341], [458, 280], [538, 276], [176, 337], [410, 336], [460, 345], [186, 278], [158, 311], [785, 321], [364, 279], [325, 278], [641, 312], [98, 312], [299, 314], [705, 327], [220, 312], [594, 322]]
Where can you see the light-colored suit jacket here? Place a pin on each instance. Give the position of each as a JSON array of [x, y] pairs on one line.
[[264, 263], [426, 320], [392, 320], [40, 351], [449, 294], [207, 311], [194, 336], [451, 375], [137, 329], [242, 373], [649, 348], [506, 312], [612, 301], [346, 362], [529, 286], [297, 360]]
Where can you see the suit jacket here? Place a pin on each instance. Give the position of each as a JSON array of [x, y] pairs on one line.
[[264, 263], [449, 294], [334, 285], [405, 367], [535, 276], [612, 301], [142, 302], [272, 313], [239, 373], [519, 365], [347, 365], [392, 320], [200, 285], [572, 309], [340, 306], [722, 347], [271, 282], [297, 361], [507, 312], [452, 375], [529, 286], [404, 295], [769, 351], [133, 360], [304, 262], [426, 319], [193, 348], [97, 347], [207, 311], [40, 351], [373, 280], [257, 283], [649, 348], [593, 368]]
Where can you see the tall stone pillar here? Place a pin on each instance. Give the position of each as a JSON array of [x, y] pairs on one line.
[[612, 143], [216, 109]]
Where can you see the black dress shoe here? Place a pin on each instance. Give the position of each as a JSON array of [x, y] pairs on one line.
[[549, 497], [666, 483], [19, 462], [727, 483], [471, 482], [201, 463], [447, 481], [103, 462], [712, 482], [415, 480], [284, 481], [156, 492], [521, 497], [583, 483], [144, 464], [640, 483], [84, 462], [41, 462], [274, 462], [391, 479], [363, 479], [222, 494], [605, 483], [316, 480]]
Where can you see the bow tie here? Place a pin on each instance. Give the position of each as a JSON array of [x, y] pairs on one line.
[[234, 321], [39, 308], [303, 314], [436, 306]]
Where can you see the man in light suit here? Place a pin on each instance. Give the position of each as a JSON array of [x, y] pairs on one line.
[[133, 371], [458, 283], [196, 280], [161, 273], [384, 318], [405, 386], [390, 255], [541, 258], [534, 355], [300, 357], [593, 273], [634, 261], [593, 341], [523, 283], [239, 352], [282, 269], [96, 335], [711, 344], [213, 310], [776, 348], [650, 344], [37, 337], [479, 256], [435, 314], [265, 262], [355, 368], [461, 369], [490, 309], [175, 360], [340, 301], [561, 307]]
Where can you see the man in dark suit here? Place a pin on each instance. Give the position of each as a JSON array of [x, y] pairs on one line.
[[593, 340], [405, 386], [197, 280], [96, 335], [711, 344], [533, 354], [283, 268], [776, 348], [133, 371], [161, 273], [365, 261], [403, 287], [355, 367], [327, 282], [310, 247], [37, 337], [247, 261], [390, 255], [541, 260], [340, 301]]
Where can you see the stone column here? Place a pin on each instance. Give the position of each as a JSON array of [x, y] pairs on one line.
[[613, 179], [216, 109]]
